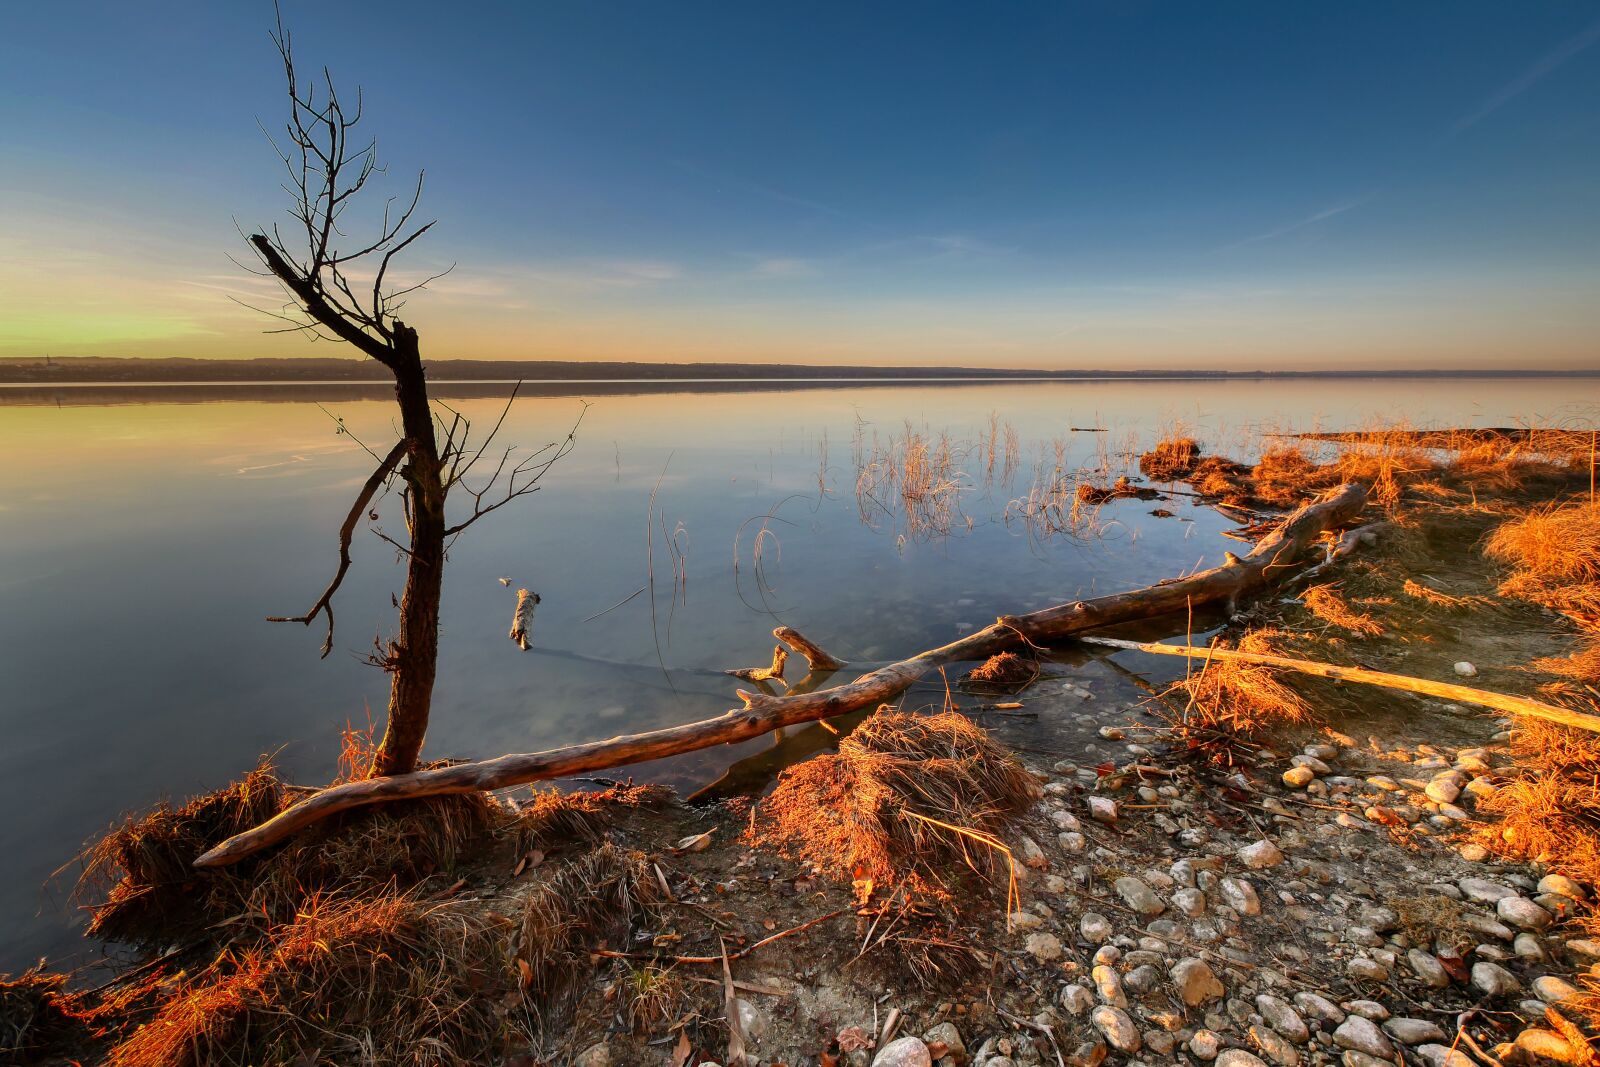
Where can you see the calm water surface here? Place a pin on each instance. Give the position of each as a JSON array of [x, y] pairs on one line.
[[144, 535]]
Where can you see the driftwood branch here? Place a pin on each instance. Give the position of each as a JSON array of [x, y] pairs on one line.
[[1273, 560], [819, 660], [1512, 705], [763, 674]]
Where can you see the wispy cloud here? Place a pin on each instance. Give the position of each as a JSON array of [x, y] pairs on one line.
[[1546, 65], [784, 267], [1299, 224]]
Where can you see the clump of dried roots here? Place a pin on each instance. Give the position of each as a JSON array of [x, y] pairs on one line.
[[907, 800], [143, 889], [1173, 458], [557, 818], [1220, 713], [1005, 672], [36, 1015], [584, 905], [378, 980]]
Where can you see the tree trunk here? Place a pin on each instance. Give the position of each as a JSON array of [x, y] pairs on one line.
[[413, 656]]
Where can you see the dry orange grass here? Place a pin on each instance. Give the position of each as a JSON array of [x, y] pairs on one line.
[[1551, 811], [554, 818], [385, 980], [141, 887], [1554, 553], [1228, 706], [1222, 479], [907, 800], [1287, 477], [1173, 457], [1581, 666], [1428, 595], [36, 1016], [919, 477], [1328, 606]]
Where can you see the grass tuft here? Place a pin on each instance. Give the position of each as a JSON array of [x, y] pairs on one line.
[[1554, 553], [382, 980], [1551, 810], [142, 888], [906, 800], [1172, 458], [36, 1016], [1227, 707]]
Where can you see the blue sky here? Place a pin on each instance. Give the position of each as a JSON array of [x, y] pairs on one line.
[[1063, 185]]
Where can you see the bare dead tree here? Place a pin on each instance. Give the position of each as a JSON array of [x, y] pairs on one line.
[[340, 290]]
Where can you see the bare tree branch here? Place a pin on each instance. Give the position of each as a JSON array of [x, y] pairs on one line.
[[324, 604]]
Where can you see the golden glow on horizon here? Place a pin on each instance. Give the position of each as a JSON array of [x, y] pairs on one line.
[[74, 286]]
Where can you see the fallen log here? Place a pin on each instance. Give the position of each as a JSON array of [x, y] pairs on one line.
[[1513, 705], [1272, 560]]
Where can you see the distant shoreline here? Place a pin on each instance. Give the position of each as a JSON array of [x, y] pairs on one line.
[[105, 371]]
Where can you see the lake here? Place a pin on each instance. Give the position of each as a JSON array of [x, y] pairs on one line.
[[146, 533]]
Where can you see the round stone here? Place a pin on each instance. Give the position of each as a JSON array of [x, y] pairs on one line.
[[1363, 1035], [1413, 1031], [1523, 913], [1196, 982], [904, 1052], [1117, 1028], [1493, 980], [1205, 1045], [1260, 855], [1045, 947]]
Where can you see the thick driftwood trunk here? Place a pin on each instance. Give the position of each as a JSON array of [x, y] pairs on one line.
[[1444, 690], [1271, 561], [413, 655]]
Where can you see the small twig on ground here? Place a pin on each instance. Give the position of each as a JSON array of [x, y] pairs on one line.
[[613, 954]]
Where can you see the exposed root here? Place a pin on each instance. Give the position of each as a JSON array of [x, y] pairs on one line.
[[586, 904]]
